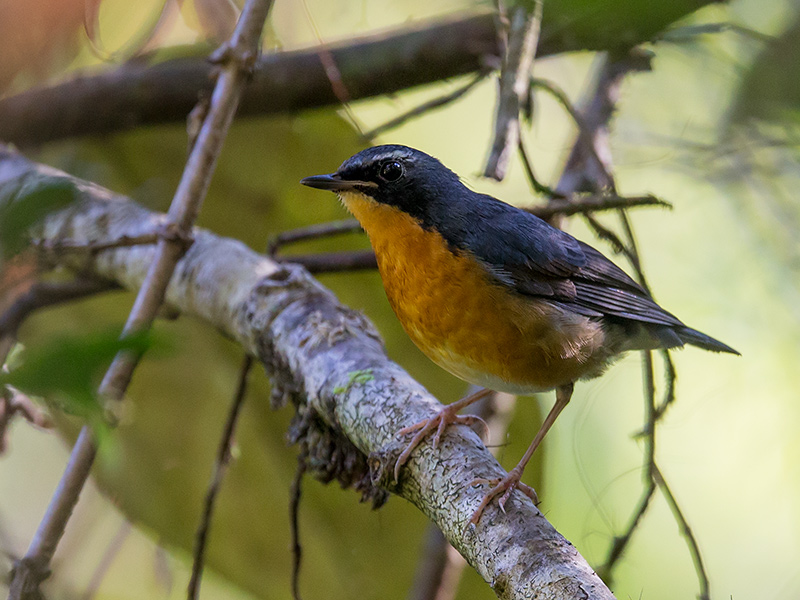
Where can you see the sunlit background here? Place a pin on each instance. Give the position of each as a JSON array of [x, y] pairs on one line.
[[726, 260]]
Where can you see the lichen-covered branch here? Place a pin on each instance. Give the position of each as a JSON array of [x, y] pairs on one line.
[[328, 358]]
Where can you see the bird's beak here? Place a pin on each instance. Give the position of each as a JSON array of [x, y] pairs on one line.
[[334, 183]]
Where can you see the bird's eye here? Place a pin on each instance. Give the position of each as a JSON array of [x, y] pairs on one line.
[[391, 171]]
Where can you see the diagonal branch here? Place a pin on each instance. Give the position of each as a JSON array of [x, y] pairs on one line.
[[329, 360], [42, 294], [235, 58]]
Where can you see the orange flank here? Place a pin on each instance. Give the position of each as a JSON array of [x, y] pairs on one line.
[[478, 330]]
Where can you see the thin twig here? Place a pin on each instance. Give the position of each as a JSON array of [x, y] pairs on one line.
[[538, 187], [514, 92], [310, 232], [606, 234], [591, 203], [14, 403], [691, 541], [236, 58], [636, 261], [332, 71], [426, 107], [561, 97], [169, 232], [295, 493], [220, 467], [621, 541], [670, 375], [654, 475], [334, 262], [589, 166], [42, 294]]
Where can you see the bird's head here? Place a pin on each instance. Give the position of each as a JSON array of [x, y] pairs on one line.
[[395, 176]]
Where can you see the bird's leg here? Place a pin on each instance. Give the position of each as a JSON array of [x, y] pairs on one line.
[[446, 416], [512, 480]]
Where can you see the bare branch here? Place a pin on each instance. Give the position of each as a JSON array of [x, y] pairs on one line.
[[590, 203], [589, 167], [328, 359], [439, 569], [220, 466], [538, 187], [13, 403], [294, 523], [621, 542], [43, 294], [514, 91], [427, 106], [334, 262], [691, 541], [589, 161], [236, 58], [312, 232], [169, 232]]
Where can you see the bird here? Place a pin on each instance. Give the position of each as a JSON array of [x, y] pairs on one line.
[[493, 294]]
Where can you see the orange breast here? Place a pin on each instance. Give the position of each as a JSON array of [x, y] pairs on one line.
[[471, 326]]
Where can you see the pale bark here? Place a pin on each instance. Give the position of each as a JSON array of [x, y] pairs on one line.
[[327, 357]]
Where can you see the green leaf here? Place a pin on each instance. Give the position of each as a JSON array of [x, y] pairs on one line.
[[23, 206], [67, 371]]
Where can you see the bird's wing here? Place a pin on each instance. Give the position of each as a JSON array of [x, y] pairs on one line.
[[522, 251]]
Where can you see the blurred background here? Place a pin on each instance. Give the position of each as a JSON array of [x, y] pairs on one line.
[[712, 129]]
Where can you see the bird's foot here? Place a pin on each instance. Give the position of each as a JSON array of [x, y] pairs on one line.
[[502, 486], [446, 416]]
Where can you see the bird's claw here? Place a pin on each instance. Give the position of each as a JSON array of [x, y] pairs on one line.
[[503, 486], [439, 422]]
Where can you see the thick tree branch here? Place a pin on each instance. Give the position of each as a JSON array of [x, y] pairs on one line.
[[139, 94], [330, 359]]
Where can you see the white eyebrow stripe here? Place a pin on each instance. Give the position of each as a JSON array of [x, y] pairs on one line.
[[404, 154]]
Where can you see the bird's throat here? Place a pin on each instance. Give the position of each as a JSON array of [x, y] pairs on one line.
[[382, 222]]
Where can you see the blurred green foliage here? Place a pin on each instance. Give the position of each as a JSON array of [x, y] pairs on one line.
[[23, 204], [66, 371]]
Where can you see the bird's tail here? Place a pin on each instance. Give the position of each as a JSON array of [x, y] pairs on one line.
[[701, 340]]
